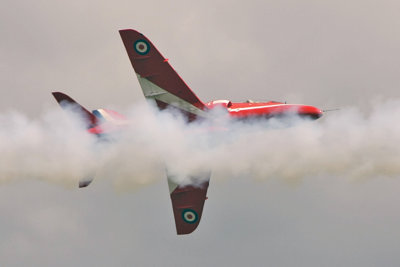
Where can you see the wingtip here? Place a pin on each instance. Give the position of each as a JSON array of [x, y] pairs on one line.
[[60, 96], [187, 231], [127, 30]]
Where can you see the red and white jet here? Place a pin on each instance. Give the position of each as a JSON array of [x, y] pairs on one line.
[[162, 85]]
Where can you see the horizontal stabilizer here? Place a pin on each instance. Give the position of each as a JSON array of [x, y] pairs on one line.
[[67, 102], [85, 182]]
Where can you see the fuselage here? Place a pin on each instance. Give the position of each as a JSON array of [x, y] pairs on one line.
[[265, 110], [249, 110]]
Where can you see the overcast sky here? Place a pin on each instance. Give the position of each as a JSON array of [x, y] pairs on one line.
[[323, 53]]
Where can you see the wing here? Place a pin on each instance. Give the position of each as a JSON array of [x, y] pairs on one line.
[[161, 84], [158, 79], [187, 203]]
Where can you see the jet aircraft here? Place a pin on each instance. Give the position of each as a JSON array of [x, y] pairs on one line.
[[164, 87]]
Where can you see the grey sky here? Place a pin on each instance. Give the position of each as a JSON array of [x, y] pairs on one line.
[[323, 53]]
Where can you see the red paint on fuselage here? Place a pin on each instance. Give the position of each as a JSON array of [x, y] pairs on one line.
[[242, 111], [107, 128], [250, 110]]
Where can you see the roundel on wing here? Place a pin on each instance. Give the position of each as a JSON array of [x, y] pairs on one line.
[[189, 216], [142, 47]]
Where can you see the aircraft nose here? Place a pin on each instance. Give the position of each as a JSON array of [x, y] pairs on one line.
[[311, 112], [318, 113]]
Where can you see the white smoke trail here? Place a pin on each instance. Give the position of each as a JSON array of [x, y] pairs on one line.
[[57, 148], [54, 148], [344, 143]]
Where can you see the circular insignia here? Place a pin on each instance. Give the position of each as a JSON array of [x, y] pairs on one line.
[[142, 47], [189, 216]]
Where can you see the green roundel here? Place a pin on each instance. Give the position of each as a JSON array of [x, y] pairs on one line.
[[190, 216], [142, 47]]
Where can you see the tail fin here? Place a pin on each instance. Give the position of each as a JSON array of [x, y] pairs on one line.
[[67, 102], [158, 79]]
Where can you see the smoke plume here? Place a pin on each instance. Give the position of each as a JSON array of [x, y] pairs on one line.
[[57, 148]]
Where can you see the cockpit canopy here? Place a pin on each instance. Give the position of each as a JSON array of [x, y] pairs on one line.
[[219, 103], [108, 115]]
